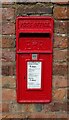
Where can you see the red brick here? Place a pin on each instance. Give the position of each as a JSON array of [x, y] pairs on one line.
[[30, 108], [8, 28], [38, 8], [60, 42], [68, 93], [67, 105], [8, 13], [59, 81], [0, 28], [8, 41], [41, 115], [8, 55], [49, 115], [8, 69], [8, 82], [59, 94], [61, 106], [13, 115], [0, 116], [61, 27], [0, 14], [8, 95], [60, 12], [58, 1], [34, 108], [68, 58], [7, 2], [33, 1], [0, 83], [59, 68], [0, 41], [0, 107], [5, 107], [14, 107], [62, 115], [60, 55], [55, 106]]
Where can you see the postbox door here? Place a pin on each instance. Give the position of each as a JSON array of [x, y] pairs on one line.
[[41, 93]]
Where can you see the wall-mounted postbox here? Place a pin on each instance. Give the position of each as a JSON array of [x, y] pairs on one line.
[[34, 48]]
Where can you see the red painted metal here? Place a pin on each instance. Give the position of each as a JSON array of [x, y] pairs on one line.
[[34, 35]]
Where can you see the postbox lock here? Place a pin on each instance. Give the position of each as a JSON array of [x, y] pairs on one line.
[[34, 56]]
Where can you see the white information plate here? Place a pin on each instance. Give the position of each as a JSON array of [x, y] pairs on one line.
[[34, 75]]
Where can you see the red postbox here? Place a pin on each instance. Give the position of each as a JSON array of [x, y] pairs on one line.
[[34, 48]]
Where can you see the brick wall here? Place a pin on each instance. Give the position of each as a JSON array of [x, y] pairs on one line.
[[58, 107]]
